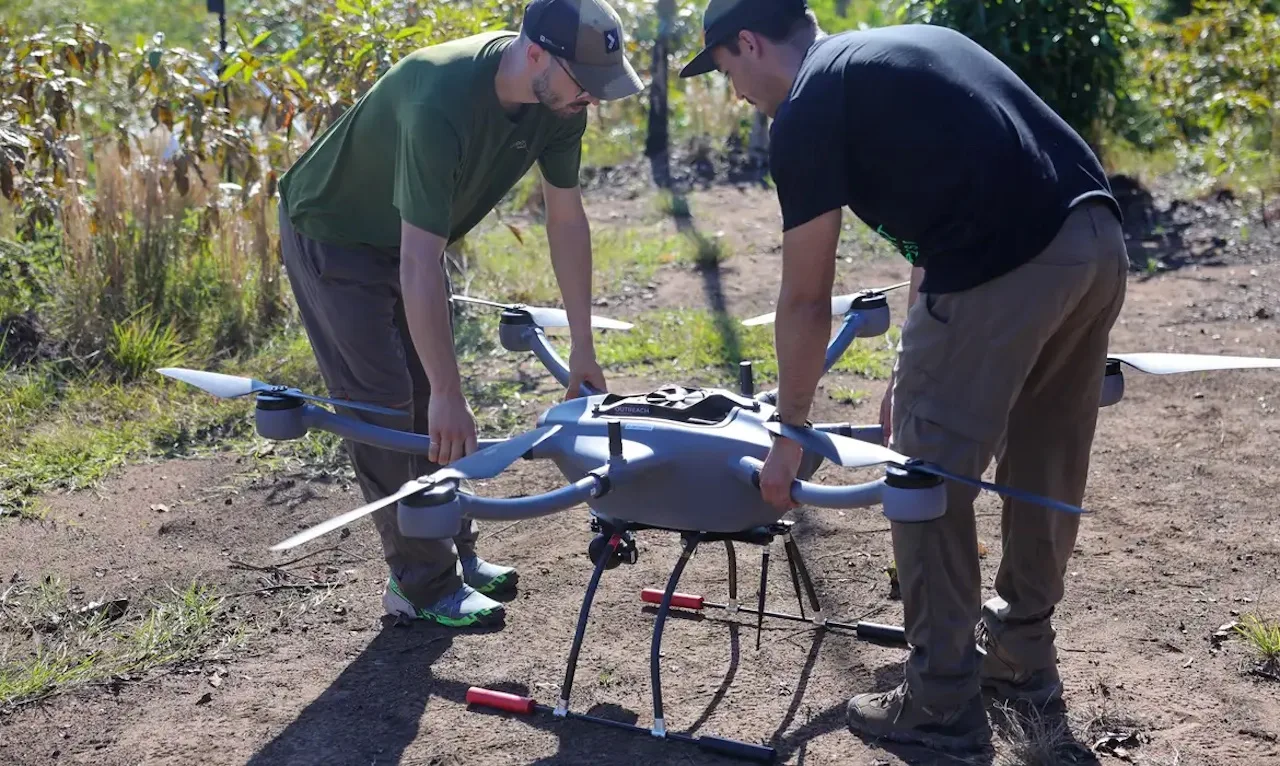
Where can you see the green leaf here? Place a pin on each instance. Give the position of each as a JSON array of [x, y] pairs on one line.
[[262, 36], [296, 77]]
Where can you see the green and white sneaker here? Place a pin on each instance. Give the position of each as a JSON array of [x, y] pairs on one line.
[[465, 607], [486, 577]]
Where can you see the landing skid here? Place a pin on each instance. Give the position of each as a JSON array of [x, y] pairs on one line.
[[618, 548]]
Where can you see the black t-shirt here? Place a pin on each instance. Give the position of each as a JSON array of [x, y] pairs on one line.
[[936, 145]]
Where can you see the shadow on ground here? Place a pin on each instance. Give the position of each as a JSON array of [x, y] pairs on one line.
[[373, 712]]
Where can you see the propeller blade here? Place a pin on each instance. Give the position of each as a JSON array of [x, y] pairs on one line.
[[343, 403], [1165, 364], [840, 304], [494, 459], [999, 489], [853, 453], [547, 316], [233, 386], [553, 317], [841, 450], [757, 320], [481, 301], [338, 522], [484, 464], [216, 383]]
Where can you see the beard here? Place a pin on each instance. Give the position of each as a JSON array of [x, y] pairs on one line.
[[558, 105]]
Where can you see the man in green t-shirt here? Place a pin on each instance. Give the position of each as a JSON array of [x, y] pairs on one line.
[[367, 212]]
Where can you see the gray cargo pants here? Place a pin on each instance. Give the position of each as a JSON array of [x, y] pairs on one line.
[[1013, 366], [353, 313]]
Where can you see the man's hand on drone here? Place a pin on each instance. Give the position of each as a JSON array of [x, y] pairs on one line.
[[452, 427], [583, 368], [778, 473]]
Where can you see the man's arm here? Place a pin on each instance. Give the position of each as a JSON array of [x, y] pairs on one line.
[[426, 308], [803, 317], [569, 237]]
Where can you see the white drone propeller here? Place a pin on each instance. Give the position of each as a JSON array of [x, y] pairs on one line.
[[484, 464], [1166, 364], [233, 386], [546, 316], [853, 453], [839, 304]]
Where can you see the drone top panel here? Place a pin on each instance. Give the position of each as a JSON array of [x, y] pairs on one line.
[[692, 406]]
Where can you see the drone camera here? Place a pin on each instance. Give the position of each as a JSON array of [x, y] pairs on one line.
[[625, 553]]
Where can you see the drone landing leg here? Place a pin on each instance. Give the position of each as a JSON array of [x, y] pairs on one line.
[[732, 606], [793, 553], [764, 579], [562, 707], [714, 744]]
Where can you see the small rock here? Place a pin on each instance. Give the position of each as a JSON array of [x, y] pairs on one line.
[[159, 507], [205, 699]]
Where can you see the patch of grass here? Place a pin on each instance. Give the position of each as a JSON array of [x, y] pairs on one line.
[[1263, 638], [50, 646], [141, 344], [65, 430], [1028, 736], [512, 264], [845, 395], [705, 349]]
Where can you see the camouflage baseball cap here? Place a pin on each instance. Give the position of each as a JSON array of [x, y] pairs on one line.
[[587, 35]]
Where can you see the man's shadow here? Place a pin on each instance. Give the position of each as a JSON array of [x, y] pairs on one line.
[[373, 711]]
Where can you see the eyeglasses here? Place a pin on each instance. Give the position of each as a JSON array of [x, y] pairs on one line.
[[581, 90]]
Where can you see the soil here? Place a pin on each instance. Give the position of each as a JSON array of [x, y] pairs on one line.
[[1185, 538]]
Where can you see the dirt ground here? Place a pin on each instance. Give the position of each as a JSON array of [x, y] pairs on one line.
[[1185, 538]]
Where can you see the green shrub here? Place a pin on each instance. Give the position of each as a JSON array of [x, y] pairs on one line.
[[1209, 85]]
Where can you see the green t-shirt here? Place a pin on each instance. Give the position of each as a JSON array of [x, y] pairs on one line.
[[429, 143]]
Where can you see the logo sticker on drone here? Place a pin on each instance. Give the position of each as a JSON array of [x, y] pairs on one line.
[[611, 40]]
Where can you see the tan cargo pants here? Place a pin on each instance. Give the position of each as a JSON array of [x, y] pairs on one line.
[[1016, 365], [353, 313]]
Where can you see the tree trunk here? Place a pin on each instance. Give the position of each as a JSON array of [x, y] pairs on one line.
[[657, 141]]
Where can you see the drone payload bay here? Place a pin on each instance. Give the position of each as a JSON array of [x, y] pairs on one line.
[[680, 459]]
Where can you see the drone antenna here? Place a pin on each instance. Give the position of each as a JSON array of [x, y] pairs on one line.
[[745, 380]]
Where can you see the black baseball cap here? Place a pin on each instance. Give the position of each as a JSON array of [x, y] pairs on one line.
[[587, 35], [724, 19]]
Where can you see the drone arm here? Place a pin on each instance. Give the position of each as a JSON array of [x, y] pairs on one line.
[[513, 508], [314, 417], [818, 495], [850, 328], [542, 349], [853, 321]]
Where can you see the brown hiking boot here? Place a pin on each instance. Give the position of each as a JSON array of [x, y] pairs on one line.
[[894, 716], [1005, 680]]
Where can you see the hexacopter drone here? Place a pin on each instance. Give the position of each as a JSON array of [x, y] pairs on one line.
[[682, 459]]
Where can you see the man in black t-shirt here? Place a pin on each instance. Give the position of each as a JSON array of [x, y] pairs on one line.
[[1018, 274]]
